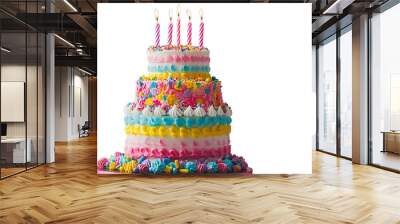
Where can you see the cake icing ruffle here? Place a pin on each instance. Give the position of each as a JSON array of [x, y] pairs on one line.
[[196, 147], [178, 59], [179, 154], [189, 52], [173, 131], [160, 68], [123, 163], [185, 122], [195, 76], [175, 111]]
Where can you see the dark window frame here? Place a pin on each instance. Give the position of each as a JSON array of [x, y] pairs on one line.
[[30, 30]]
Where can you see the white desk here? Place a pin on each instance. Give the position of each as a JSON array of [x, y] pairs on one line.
[[18, 149]]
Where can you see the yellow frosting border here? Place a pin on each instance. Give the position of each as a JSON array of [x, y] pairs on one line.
[[174, 131]]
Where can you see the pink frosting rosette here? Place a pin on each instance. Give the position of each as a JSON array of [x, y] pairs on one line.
[[102, 163]]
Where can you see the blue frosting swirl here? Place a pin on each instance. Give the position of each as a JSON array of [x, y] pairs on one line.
[[172, 165], [141, 159], [156, 166], [166, 161], [173, 68], [191, 166], [212, 167], [229, 164], [187, 122]]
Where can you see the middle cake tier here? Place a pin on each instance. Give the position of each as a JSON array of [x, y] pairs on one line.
[[181, 92]]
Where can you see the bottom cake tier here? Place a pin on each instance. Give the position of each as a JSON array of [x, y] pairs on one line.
[[124, 164], [177, 148]]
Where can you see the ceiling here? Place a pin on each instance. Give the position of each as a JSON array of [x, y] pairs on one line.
[[76, 22]]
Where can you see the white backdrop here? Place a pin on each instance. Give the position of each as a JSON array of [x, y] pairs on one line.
[[260, 52]]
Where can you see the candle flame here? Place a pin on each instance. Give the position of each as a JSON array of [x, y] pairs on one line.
[[189, 13], [156, 14], [201, 13], [170, 14], [178, 9]]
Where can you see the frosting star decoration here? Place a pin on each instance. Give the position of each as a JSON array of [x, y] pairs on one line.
[[179, 123]]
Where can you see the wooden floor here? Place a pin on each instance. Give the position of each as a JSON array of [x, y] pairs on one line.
[[10, 171], [5, 172], [386, 159], [69, 191]]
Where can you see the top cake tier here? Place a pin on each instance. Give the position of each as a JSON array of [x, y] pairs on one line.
[[178, 59]]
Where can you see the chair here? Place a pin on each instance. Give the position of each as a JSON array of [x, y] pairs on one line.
[[84, 130]]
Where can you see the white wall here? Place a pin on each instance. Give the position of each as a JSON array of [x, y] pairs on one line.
[[314, 91], [12, 73], [33, 127], [16, 73], [71, 102], [80, 84], [62, 81]]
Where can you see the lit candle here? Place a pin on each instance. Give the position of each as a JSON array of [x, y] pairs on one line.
[[178, 27], [170, 27], [189, 31], [157, 39], [201, 33]]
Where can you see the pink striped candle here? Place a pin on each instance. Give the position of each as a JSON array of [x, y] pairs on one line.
[[189, 40], [189, 31], [178, 27], [157, 34], [170, 28], [178, 32], [201, 32], [157, 39]]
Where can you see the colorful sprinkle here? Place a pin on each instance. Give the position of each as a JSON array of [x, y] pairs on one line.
[[183, 171]]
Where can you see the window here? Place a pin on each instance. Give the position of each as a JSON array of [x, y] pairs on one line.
[[346, 93], [327, 96], [385, 89], [22, 77]]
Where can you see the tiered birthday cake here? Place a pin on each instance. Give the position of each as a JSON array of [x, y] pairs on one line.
[[179, 122], [179, 113]]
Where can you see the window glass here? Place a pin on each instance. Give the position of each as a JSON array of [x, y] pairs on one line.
[[15, 151], [385, 89], [327, 96], [22, 90], [346, 94]]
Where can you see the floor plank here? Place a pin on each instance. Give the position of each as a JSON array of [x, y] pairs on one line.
[[70, 191]]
